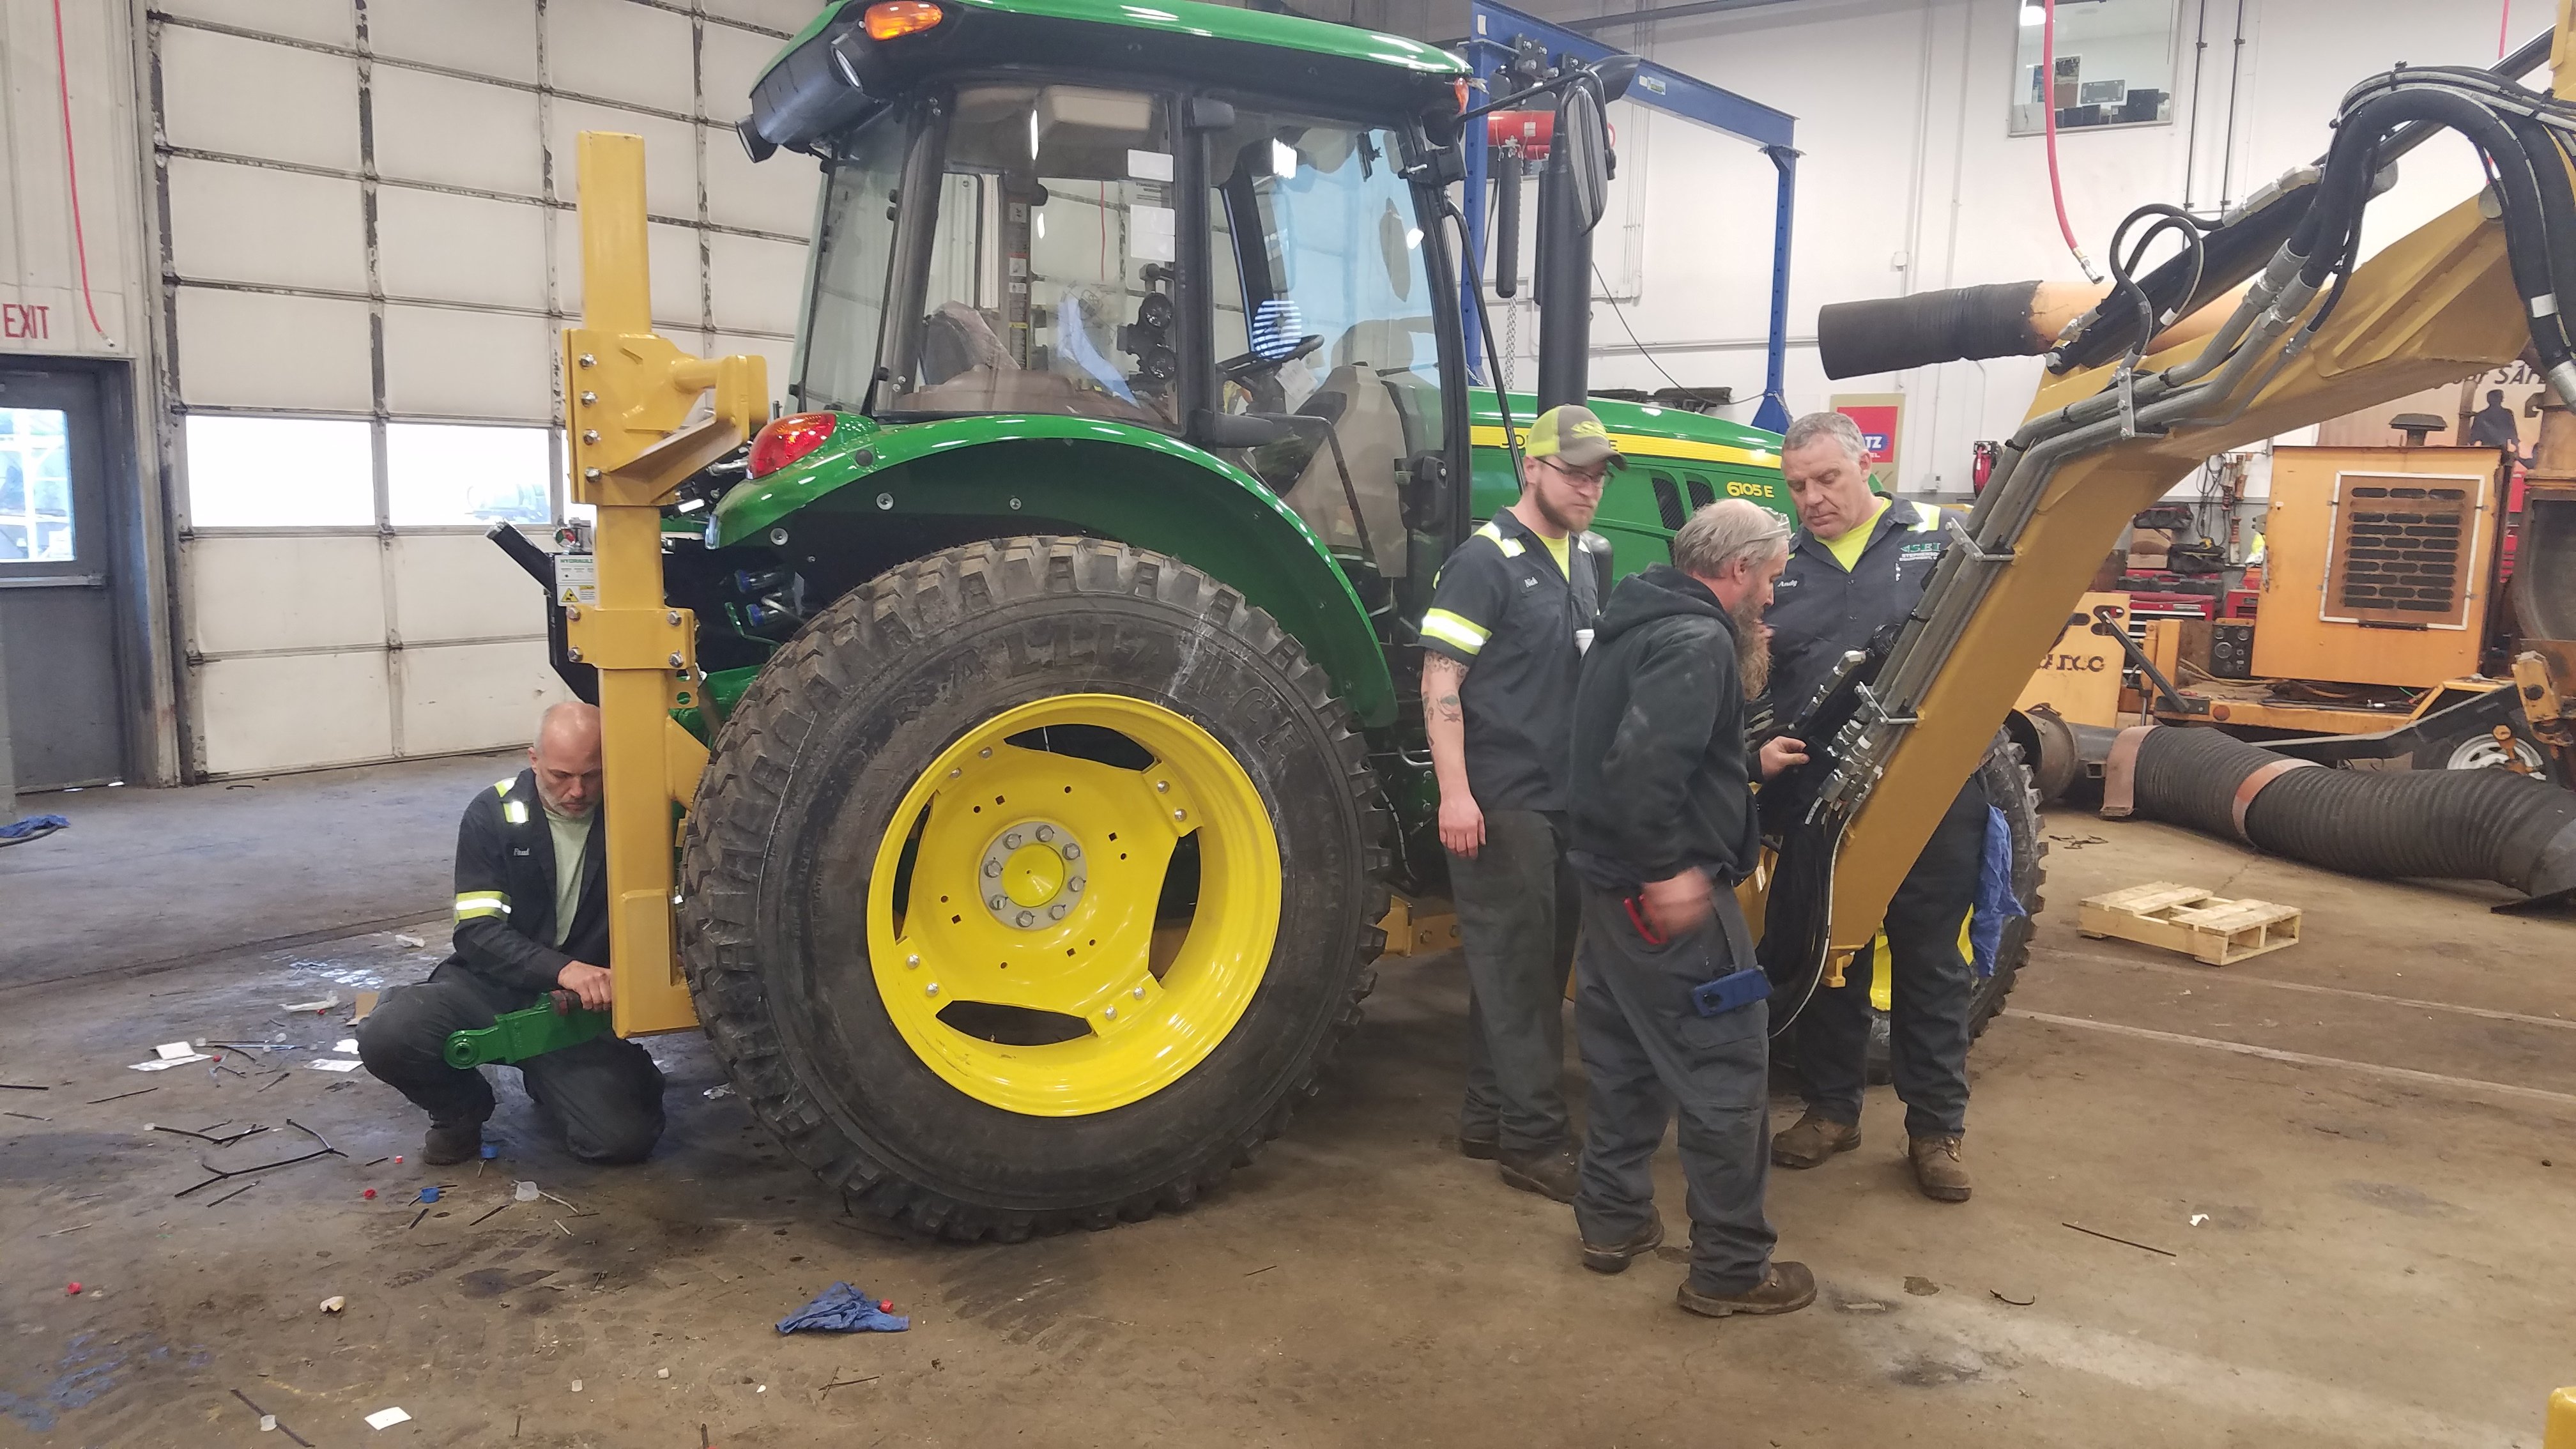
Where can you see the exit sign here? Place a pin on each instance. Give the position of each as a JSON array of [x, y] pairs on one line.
[[52, 319]]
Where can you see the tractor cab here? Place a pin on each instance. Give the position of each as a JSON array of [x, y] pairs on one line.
[[1173, 247]]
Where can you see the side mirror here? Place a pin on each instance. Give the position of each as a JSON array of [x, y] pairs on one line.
[[1583, 139], [1616, 73]]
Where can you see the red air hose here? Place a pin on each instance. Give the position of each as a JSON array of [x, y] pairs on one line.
[[2048, 113], [71, 171]]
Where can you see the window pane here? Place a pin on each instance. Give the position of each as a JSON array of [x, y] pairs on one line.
[[35, 487], [461, 473], [852, 255], [2114, 66], [1326, 264], [1053, 247], [279, 472]]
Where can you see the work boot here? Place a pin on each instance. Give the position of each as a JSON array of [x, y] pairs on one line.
[[1613, 1257], [446, 1146], [1936, 1168], [1786, 1289], [1813, 1140], [1479, 1149], [1550, 1172]]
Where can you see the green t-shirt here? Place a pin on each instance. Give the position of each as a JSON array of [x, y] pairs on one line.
[[571, 835], [1846, 549]]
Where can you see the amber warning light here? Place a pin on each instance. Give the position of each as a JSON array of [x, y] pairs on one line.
[[892, 18]]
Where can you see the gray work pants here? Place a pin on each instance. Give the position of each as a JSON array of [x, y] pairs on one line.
[[1930, 988], [606, 1092], [1516, 915], [1650, 1055]]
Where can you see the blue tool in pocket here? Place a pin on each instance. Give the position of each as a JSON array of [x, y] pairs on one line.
[[1731, 992]]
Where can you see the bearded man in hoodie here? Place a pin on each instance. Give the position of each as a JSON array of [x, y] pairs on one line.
[[1668, 1010]]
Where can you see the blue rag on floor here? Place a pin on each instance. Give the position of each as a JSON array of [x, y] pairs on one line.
[[32, 828], [843, 1309]]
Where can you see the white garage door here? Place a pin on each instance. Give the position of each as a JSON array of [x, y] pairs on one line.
[[368, 245]]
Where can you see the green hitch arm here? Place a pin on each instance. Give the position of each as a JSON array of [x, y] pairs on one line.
[[556, 1022]]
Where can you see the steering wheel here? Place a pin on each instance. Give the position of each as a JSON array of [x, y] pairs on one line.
[[1252, 364]]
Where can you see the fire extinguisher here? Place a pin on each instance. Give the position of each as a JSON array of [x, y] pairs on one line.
[[1984, 467]]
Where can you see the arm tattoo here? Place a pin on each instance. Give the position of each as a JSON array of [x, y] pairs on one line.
[[1441, 676]]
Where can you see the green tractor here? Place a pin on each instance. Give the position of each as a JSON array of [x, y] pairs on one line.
[[1061, 667]]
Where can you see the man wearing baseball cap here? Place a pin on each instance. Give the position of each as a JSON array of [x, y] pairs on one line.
[[1502, 650]]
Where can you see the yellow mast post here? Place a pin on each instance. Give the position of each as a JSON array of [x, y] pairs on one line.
[[627, 393]]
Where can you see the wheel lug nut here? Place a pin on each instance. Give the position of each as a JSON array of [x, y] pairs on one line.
[[1180, 815], [1000, 903], [1011, 841], [1056, 912], [1138, 993], [1028, 918], [912, 960], [1109, 1012], [1162, 787], [1046, 832], [1074, 884], [1072, 851], [992, 868], [931, 990]]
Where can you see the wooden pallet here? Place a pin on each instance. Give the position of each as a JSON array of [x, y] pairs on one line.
[[2191, 920]]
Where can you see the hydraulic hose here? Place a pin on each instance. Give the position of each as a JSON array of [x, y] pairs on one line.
[[2435, 824]]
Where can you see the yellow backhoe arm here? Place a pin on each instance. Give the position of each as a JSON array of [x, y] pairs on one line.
[[627, 397], [2435, 307]]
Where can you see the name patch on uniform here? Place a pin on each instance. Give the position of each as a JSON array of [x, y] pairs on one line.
[[1929, 548], [518, 850]]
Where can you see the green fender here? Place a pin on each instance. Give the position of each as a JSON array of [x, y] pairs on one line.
[[1112, 479]]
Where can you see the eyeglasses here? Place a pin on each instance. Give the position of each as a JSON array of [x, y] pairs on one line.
[[1588, 477]]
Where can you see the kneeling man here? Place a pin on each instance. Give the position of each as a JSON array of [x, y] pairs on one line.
[[531, 918]]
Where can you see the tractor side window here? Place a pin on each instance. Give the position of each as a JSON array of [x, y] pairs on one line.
[[1050, 265], [853, 249], [1324, 319]]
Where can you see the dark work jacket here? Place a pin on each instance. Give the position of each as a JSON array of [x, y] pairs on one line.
[[1819, 610], [1659, 779], [505, 892]]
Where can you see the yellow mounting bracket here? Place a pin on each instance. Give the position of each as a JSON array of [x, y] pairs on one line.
[[628, 396]]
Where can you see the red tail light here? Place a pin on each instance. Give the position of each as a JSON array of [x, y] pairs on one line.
[[788, 439]]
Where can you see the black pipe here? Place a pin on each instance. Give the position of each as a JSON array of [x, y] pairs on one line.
[[1891, 334], [581, 679], [1564, 280], [1507, 225], [2438, 824]]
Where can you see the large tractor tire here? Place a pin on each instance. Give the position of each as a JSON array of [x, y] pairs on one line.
[[1032, 885]]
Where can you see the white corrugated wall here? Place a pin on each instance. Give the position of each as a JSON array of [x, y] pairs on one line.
[[366, 248]]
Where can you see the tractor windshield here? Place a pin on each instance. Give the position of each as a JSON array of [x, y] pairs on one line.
[[852, 249]]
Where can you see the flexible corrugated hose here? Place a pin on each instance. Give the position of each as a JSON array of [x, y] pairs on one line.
[[2442, 824]]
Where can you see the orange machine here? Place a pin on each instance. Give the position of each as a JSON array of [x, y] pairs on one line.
[[2380, 564]]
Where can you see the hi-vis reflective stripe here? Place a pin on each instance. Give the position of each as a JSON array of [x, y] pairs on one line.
[[502, 787], [1454, 630], [514, 811], [481, 903], [1510, 546]]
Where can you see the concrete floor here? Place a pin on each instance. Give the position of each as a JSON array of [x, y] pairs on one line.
[[152, 879], [2357, 1153]]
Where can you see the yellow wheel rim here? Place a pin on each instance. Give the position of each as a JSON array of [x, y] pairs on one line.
[[1012, 924]]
